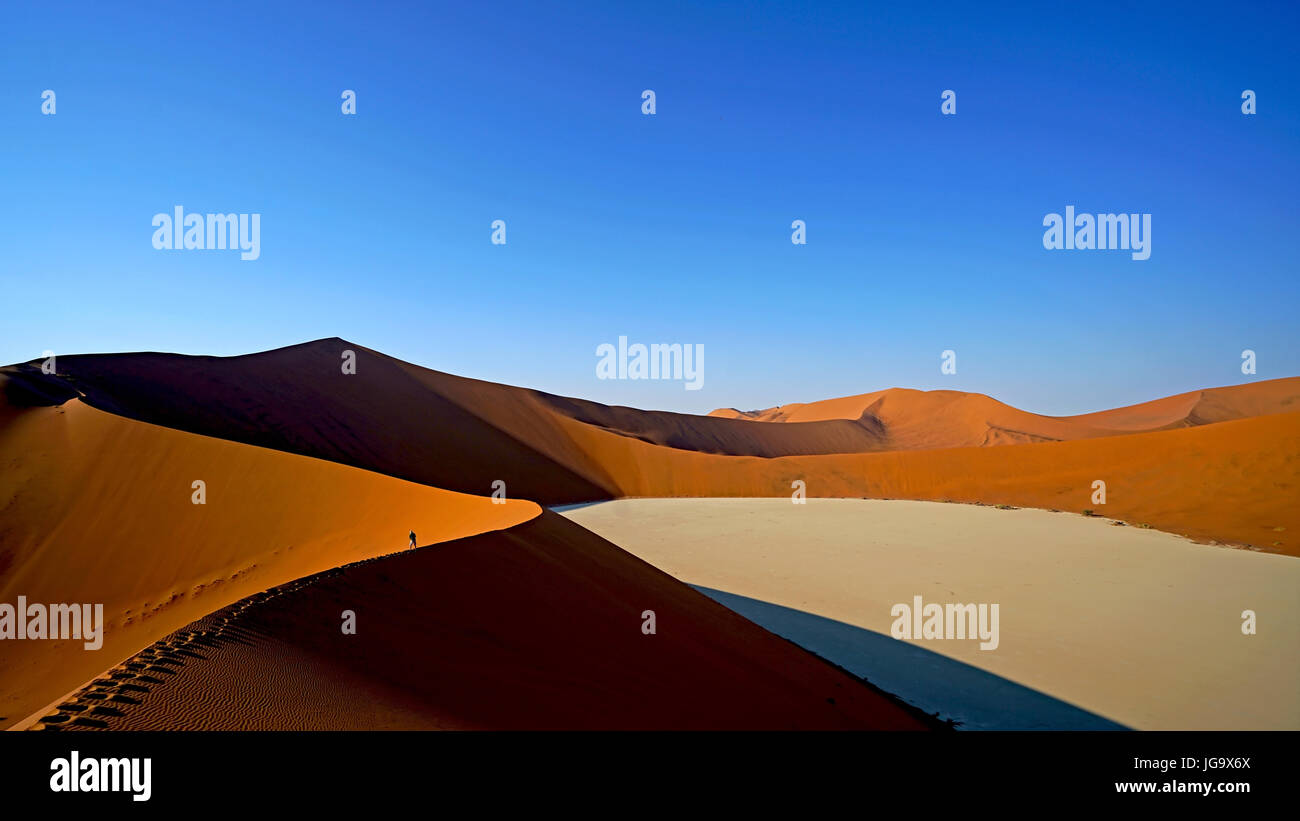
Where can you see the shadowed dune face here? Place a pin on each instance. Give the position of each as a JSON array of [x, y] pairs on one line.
[[401, 419], [298, 399], [535, 627], [96, 508]]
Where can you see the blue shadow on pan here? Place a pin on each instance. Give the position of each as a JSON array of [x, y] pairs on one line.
[[577, 505], [925, 679]]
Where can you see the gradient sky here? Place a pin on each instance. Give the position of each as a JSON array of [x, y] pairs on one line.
[[924, 231]]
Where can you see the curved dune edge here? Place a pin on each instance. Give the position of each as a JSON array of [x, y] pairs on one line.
[[1138, 626], [97, 508], [1231, 482], [535, 627]]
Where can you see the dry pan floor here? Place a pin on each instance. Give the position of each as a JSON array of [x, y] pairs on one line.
[[1097, 623]]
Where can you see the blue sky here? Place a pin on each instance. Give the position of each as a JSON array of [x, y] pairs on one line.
[[924, 231]]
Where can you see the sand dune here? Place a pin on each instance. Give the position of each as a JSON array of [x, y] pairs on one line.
[[1203, 407], [1231, 482], [535, 627], [400, 419], [1219, 464], [413, 422], [1141, 627], [298, 400], [100, 458], [96, 508], [914, 420]]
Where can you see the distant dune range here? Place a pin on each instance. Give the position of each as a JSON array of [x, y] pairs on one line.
[[1219, 464], [949, 419]]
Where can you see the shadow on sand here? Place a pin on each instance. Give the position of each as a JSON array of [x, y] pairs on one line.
[[576, 506], [933, 682]]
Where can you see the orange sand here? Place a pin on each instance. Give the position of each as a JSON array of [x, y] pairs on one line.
[[1217, 464], [1231, 482], [95, 493], [915, 420], [97, 508]]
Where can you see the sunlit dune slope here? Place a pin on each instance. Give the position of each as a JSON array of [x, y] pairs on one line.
[[1203, 407], [97, 508], [913, 420]]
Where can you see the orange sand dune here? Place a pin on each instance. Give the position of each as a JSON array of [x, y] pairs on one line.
[[403, 420], [915, 420], [535, 627], [96, 508], [1232, 482], [1203, 407], [298, 399], [465, 434]]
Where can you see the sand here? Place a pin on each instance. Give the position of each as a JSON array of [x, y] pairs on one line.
[[534, 627], [1230, 482], [1138, 626], [1220, 464], [309, 468], [941, 418], [95, 508]]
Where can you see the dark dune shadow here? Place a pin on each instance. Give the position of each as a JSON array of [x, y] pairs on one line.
[[933, 682]]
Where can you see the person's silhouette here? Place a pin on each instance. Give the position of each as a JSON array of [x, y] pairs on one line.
[[412, 538]]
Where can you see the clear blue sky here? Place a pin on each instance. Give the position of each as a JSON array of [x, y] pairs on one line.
[[924, 231]]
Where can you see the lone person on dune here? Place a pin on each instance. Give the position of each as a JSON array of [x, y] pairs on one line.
[[412, 538]]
